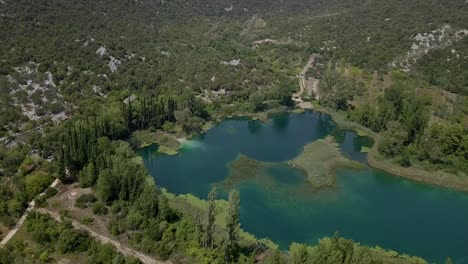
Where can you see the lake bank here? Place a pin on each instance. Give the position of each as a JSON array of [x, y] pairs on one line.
[[439, 178], [197, 207], [361, 206], [171, 142]]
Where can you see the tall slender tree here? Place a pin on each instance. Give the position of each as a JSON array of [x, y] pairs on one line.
[[233, 224], [211, 217]]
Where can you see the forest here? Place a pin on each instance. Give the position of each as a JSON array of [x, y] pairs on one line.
[[77, 78]]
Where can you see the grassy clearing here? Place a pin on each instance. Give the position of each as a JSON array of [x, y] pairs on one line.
[[168, 144], [320, 159]]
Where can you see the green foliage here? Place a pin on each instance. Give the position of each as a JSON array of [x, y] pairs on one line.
[[392, 143], [100, 209], [46, 240], [87, 220], [148, 202], [334, 250], [231, 250], [36, 182], [274, 257], [73, 241], [88, 175], [445, 145], [210, 219], [122, 179], [299, 253], [85, 200], [42, 228], [335, 90], [170, 73], [50, 192]]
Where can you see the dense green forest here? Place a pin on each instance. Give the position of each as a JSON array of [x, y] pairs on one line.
[[77, 78]]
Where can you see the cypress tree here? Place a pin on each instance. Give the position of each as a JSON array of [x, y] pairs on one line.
[[233, 223], [211, 217]]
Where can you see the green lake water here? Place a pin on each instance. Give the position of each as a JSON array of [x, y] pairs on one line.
[[369, 206]]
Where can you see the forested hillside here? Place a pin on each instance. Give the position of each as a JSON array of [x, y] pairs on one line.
[[76, 77]]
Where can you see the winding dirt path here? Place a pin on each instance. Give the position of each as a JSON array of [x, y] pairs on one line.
[[303, 83], [104, 239], [20, 222], [121, 248]]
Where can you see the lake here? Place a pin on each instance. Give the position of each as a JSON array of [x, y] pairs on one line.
[[367, 205]]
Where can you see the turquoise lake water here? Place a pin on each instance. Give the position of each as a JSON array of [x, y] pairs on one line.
[[369, 206]]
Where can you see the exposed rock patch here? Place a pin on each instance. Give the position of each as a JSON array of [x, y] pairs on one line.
[[423, 43], [252, 25]]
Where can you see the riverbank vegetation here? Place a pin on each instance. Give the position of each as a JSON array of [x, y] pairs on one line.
[[167, 143], [328, 250], [76, 78]]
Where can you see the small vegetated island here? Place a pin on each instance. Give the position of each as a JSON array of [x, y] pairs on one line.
[[318, 161]]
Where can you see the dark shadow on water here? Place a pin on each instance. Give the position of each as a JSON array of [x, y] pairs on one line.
[[281, 122], [254, 126]]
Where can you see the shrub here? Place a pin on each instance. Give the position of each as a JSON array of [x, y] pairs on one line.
[[99, 209], [73, 241], [87, 220], [85, 200], [50, 192]]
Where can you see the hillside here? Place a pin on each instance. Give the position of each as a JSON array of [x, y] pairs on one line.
[[74, 72]]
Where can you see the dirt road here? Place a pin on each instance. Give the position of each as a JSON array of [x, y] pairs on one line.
[[121, 248], [20, 222], [303, 84]]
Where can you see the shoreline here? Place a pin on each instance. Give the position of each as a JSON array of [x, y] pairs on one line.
[[435, 178]]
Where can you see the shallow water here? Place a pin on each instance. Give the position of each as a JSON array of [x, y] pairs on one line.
[[368, 205]]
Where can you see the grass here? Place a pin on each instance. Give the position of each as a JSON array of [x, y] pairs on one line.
[[365, 149], [320, 159], [207, 126], [167, 150], [375, 160], [168, 144]]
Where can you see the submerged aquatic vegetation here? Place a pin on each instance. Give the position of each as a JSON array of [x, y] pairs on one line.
[[318, 162]]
